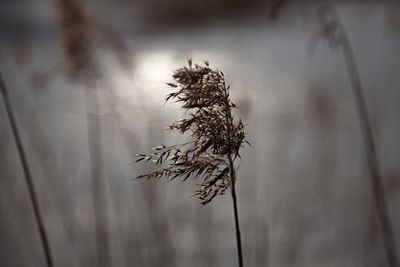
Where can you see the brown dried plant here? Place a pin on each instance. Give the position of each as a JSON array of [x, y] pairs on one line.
[[217, 138], [76, 30]]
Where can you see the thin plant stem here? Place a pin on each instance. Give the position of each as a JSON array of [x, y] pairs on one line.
[[369, 142], [372, 158], [157, 227], [97, 178], [28, 175], [235, 209]]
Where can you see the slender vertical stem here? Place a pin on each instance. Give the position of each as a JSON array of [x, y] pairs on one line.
[[235, 209], [373, 164], [27, 174], [336, 33], [97, 178]]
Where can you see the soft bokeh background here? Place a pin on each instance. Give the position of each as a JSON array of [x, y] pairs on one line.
[[305, 197]]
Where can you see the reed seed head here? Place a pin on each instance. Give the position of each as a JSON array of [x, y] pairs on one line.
[[76, 29], [217, 139]]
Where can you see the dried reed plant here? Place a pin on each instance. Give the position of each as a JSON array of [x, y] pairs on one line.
[[332, 30], [75, 33], [76, 36], [33, 196], [217, 138]]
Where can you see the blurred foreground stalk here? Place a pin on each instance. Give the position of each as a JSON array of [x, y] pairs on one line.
[[76, 31], [27, 173], [332, 30]]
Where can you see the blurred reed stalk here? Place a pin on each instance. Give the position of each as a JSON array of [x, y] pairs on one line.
[[216, 143], [27, 173], [76, 27], [205, 237], [163, 247], [332, 30], [76, 30], [99, 193]]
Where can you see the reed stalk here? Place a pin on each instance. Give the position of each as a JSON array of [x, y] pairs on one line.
[[333, 30], [216, 143], [27, 174]]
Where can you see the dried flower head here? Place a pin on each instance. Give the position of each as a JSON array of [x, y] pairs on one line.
[[76, 29], [217, 139], [330, 28]]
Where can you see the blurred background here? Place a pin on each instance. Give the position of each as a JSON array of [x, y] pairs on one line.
[[86, 83]]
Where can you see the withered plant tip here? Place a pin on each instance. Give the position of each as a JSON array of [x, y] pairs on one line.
[[217, 138]]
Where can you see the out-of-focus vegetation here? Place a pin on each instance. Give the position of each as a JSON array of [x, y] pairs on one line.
[[85, 84]]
